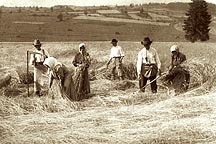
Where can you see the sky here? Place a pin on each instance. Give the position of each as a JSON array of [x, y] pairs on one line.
[[49, 3]]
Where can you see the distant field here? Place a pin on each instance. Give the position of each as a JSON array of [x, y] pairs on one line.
[[123, 20], [25, 27]]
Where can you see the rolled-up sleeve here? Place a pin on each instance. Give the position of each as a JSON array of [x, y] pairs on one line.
[[157, 60], [111, 53], [46, 53], [31, 59], [139, 63], [121, 51]]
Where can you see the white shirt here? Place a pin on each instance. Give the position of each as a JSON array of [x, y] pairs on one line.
[[116, 51], [147, 57], [40, 57]]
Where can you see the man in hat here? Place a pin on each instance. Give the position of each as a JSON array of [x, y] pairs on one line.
[[148, 65], [178, 75], [116, 56], [37, 58]]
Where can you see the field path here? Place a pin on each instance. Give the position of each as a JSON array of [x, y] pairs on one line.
[[121, 20]]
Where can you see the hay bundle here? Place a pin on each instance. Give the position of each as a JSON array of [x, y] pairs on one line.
[[129, 72], [9, 107], [5, 131], [5, 80], [12, 91], [24, 78], [201, 72], [124, 85], [8, 71]]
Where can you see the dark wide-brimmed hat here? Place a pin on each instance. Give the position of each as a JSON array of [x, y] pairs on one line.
[[114, 40], [37, 42], [146, 41]]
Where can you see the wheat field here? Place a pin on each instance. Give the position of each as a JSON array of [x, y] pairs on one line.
[[112, 115]]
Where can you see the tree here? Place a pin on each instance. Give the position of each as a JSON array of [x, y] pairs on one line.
[[60, 17], [141, 10], [196, 26], [51, 9], [36, 8], [85, 11], [19, 10], [0, 13]]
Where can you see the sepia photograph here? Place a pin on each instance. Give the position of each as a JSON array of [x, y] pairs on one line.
[[108, 72]]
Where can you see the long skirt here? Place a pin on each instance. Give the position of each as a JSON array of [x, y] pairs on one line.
[[82, 84], [179, 78], [38, 80], [68, 89]]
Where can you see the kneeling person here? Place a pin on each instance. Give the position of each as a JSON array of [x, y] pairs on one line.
[[178, 75]]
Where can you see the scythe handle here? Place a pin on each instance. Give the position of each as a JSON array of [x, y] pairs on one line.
[[27, 56]]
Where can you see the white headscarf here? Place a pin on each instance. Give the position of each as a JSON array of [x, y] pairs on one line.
[[51, 62], [174, 48]]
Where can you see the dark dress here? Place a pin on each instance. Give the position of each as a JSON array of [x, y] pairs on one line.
[[81, 77], [66, 84], [178, 76]]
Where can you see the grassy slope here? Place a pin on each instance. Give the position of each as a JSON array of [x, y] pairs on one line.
[[112, 116], [75, 30]]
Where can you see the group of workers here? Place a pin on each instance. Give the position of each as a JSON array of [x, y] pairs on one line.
[[77, 86], [74, 87]]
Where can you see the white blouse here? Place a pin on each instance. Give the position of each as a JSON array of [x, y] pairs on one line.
[[116, 52]]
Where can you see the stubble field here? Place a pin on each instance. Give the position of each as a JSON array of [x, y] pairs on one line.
[[111, 115]]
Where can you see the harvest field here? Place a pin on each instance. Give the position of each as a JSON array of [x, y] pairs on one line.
[[112, 115]]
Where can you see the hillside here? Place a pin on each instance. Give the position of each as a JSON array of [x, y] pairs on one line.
[[157, 21]]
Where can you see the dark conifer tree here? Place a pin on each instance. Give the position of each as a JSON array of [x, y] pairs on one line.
[[196, 26]]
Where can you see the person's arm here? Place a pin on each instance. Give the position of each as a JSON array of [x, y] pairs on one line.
[[60, 75], [109, 61], [74, 62], [139, 64], [46, 53], [110, 58], [171, 64], [50, 79], [88, 60], [183, 58], [32, 59], [121, 53], [157, 60]]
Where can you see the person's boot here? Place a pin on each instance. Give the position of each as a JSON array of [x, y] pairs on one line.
[[38, 93]]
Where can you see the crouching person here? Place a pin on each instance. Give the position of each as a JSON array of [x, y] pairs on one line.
[[178, 76], [60, 73]]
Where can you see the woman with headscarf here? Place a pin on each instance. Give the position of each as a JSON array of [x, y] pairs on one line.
[[178, 75], [82, 62], [60, 73]]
